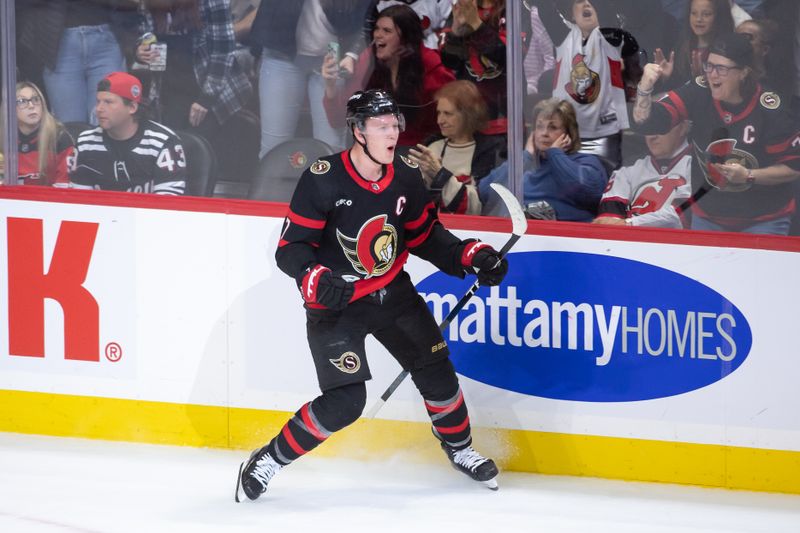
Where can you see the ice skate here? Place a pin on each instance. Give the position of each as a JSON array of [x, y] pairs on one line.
[[255, 474], [473, 464]]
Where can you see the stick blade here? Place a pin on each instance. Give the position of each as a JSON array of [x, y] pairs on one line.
[[518, 221]]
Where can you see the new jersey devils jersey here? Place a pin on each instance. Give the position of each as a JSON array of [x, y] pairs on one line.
[[647, 192], [363, 230], [152, 161], [757, 133]]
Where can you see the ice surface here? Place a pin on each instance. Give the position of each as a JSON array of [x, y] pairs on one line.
[[50, 484]]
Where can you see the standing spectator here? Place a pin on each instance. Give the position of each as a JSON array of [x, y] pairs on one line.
[[748, 147], [293, 40], [559, 182], [127, 152], [202, 85], [650, 192], [76, 43], [589, 72], [704, 21], [460, 156], [46, 150], [433, 15], [399, 63], [475, 49], [347, 261], [540, 57], [760, 33]]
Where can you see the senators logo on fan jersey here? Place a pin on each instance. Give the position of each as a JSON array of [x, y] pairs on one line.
[[373, 251]]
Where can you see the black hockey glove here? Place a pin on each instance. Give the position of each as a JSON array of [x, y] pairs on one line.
[[487, 263], [319, 286]]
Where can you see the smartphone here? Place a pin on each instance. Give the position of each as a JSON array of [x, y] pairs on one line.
[[333, 50]]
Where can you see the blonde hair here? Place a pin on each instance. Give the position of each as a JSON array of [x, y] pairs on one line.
[[555, 107], [47, 138]]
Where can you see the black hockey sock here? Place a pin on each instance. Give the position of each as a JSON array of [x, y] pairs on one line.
[[451, 420], [301, 434], [439, 387], [318, 420]]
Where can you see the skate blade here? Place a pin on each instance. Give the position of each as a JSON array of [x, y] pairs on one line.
[[237, 496], [491, 484]]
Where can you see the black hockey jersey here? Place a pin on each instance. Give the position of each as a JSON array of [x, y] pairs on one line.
[[152, 161], [764, 135], [362, 230]]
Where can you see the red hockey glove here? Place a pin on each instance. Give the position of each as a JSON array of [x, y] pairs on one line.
[[489, 267], [319, 286]]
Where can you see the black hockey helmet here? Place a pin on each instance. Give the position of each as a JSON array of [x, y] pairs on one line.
[[372, 103]]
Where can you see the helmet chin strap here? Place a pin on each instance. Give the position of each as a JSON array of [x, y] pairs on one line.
[[364, 147]]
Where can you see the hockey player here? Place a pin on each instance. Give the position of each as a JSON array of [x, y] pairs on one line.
[[127, 153], [651, 191], [353, 220], [746, 146]]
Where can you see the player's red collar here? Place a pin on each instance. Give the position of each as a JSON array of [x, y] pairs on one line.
[[375, 187], [728, 117]]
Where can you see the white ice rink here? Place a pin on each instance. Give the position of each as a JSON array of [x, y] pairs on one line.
[[53, 485]]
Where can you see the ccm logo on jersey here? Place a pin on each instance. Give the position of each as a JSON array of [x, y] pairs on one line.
[[343, 201]]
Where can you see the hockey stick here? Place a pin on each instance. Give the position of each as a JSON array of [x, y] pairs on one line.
[[519, 224]]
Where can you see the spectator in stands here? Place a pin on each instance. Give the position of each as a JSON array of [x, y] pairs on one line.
[[651, 191], [433, 14], [539, 57], [749, 148], [397, 62], [293, 39], [590, 71], [760, 33], [128, 152], [705, 20], [559, 182], [202, 85], [475, 49], [243, 13], [454, 161], [46, 150], [76, 43]]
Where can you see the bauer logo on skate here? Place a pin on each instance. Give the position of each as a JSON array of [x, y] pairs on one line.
[[587, 327]]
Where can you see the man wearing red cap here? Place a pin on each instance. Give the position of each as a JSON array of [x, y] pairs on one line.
[[127, 152]]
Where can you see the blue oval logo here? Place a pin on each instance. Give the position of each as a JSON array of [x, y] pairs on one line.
[[585, 327]]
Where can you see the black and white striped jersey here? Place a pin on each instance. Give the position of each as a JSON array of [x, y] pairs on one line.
[[152, 161]]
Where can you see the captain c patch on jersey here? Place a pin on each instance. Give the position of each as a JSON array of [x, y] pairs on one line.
[[373, 251]]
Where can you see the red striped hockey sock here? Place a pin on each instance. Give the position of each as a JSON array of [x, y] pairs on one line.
[[451, 420], [301, 434]]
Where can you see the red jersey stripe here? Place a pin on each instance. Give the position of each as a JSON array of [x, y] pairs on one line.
[[305, 222]]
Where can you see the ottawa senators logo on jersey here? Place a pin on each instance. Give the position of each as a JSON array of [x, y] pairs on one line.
[[480, 67], [724, 151], [348, 362], [584, 83], [373, 251]]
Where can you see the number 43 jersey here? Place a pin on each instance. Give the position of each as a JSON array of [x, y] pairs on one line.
[[152, 161], [364, 230]]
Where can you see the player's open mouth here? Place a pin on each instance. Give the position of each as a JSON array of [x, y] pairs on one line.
[[587, 13]]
